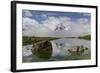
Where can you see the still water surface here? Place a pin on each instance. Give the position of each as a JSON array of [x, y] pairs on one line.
[[60, 50]]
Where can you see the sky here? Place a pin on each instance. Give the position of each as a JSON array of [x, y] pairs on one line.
[[43, 23]]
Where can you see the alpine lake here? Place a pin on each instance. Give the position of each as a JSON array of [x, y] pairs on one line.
[[42, 49]]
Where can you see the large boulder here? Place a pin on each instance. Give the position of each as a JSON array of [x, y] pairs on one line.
[[42, 49]]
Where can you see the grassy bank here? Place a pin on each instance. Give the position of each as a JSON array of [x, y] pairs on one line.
[[86, 37], [32, 40]]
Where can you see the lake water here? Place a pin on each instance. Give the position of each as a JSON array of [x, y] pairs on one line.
[[60, 50]]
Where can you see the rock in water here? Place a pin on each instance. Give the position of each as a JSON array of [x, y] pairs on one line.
[[42, 49]]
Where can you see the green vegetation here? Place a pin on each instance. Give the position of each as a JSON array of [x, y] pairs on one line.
[[87, 37], [33, 40]]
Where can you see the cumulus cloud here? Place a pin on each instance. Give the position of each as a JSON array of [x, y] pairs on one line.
[[28, 23], [27, 13], [30, 26], [46, 29], [79, 29], [44, 16], [83, 20], [33, 28], [52, 22], [86, 14]]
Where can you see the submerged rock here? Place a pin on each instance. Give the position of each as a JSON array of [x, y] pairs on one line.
[[42, 49]]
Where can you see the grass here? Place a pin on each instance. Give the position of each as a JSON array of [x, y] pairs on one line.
[[33, 40], [86, 37]]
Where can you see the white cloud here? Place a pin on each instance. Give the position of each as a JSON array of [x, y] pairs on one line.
[[28, 23], [30, 26], [33, 28], [83, 20], [86, 14], [52, 22], [80, 29], [44, 15], [27, 13], [46, 29]]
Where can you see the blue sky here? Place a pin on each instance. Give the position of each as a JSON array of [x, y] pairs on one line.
[[40, 16]]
